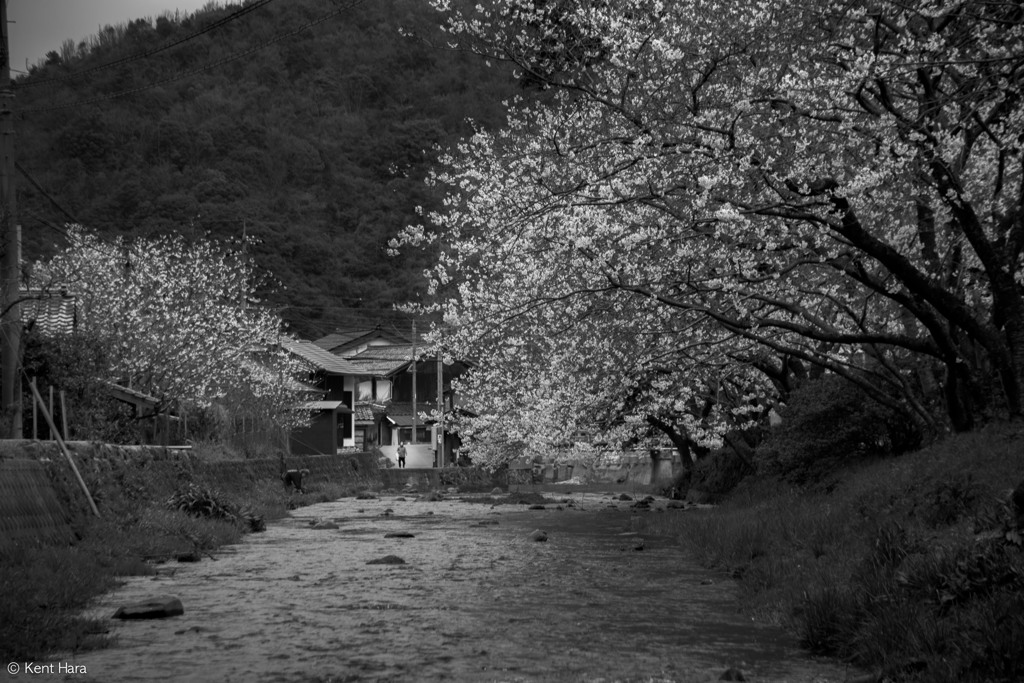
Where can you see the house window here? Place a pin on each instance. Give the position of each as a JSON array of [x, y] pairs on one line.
[[375, 390], [422, 434], [366, 391]]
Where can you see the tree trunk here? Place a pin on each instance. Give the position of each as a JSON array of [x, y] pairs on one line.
[[959, 406], [682, 442], [741, 448]]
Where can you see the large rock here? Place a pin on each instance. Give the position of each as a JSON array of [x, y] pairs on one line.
[[157, 608], [538, 536]]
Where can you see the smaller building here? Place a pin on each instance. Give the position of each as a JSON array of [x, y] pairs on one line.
[[337, 379], [321, 436]]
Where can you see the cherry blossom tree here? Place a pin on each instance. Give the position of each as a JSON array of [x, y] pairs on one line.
[[180, 322], [764, 184]]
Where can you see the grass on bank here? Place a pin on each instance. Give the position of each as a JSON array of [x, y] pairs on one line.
[[43, 590], [911, 567]]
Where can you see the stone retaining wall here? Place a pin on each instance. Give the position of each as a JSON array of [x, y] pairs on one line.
[[30, 510], [41, 500], [463, 478]]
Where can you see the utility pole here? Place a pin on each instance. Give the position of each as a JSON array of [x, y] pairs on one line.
[[440, 409], [415, 420], [10, 259]]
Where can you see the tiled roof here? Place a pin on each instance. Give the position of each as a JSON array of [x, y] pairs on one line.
[[376, 368], [405, 409], [402, 352], [338, 406], [381, 361], [340, 341], [406, 420], [319, 358], [364, 412], [49, 313], [336, 339]]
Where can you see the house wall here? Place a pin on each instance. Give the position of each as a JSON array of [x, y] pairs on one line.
[[426, 386], [343, 388], [320, 437], [347, 436]]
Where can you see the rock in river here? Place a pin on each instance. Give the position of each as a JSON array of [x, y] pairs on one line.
[[325, 524], [157, 608]]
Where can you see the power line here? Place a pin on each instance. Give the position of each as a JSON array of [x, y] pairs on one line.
[[42, 191], [146, 53], [192, 72]]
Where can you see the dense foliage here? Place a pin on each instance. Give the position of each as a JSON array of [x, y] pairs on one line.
[[711, 195], [826, 424], [307, 125]]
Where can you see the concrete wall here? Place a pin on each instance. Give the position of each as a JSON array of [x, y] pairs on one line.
[[463, 478], [634, 468]]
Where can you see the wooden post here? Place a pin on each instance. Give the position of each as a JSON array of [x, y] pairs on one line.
[[63, 447], [35, 414], [440, 409], [64, 415], [415, 419], [52, 435]]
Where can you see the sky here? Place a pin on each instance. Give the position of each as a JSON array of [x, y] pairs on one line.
[[42, 25]]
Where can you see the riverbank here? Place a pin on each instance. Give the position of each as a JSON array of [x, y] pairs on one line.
[[911, 567], [156, 505]]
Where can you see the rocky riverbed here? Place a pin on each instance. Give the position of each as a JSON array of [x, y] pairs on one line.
[[400, 587]]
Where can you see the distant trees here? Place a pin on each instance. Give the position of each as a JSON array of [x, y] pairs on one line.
[[754, 190], [317, 144]]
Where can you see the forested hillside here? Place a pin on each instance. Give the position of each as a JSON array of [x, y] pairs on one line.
[[308, 125]]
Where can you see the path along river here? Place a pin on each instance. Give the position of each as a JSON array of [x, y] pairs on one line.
[[476, 600]]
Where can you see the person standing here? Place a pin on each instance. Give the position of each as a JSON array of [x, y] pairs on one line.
[[401, 454]]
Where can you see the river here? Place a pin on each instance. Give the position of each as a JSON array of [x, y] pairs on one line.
[[475, 600]]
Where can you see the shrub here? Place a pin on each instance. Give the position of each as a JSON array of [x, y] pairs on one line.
[[72, 363], [200, 501], [951, 498], [827, 423], [719, 472]]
